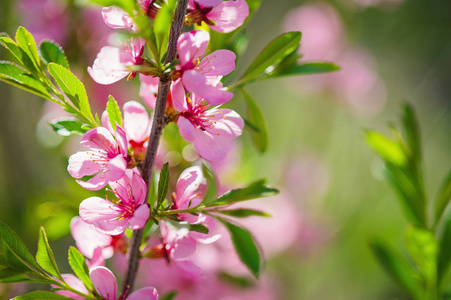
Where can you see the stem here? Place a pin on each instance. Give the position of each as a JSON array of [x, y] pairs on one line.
[[158, 124]]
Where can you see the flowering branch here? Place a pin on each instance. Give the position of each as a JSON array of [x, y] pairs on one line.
[[158, 124]]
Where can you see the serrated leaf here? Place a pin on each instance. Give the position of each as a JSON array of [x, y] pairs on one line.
[[245, 247], [422, 247], [163, 184], [443, 197], [20, 55], [72, 87], [257, 189], [308, 68], [26, 42], [16, 76], [444, 255], [397, 267], [243, 213], [41, 295], [386, 148], [273, 53], [78, 264], [52, 52], [255, 117], [114, 112], [45, 257], [15, 252], [212, 187], [68, 127]]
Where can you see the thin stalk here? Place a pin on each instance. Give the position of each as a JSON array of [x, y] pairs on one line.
[[159, 121]]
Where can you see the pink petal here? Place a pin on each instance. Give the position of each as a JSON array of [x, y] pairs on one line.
[[97, 258], [148, 293], [183, 247], [187, 129], [122, 187], [103, 215], [196, 83], [121, 139], [116, 168], [139, 189], [149, 89], [228, 123], [99, 138], [105, 121], [116, 18], [208, 3], [220, 62], [87, 238], [140, 217], [178, 95], [82, 164], [209, 146], [109, 66], [188, 185], [136, 121], [104, 282], [74, 283], [189, 270], [229, 15], [192, 45]]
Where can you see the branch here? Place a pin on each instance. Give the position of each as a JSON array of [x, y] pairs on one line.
[[157, 128]]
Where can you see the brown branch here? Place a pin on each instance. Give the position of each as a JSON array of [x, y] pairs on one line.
[[159, 122]]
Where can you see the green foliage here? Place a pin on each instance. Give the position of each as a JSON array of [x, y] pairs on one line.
[[243, 213], [212, 187], [162, 25], [257, 123], [389, 150], [163, 185], [294, 69], [78, 264], [168, 296], [257, 189], [53, 52], [245, 247], [443, 197], [26, 42], [68, 127], [41, 295], [198, 228], [45, 257], [114, 112], [17, 52], [444, 255]]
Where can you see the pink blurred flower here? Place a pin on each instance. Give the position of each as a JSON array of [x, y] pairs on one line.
[[208, 129], [198, 75], [74, 283], [221, 16], [107, 160], [111, 63], [117, 18], [130, 209]]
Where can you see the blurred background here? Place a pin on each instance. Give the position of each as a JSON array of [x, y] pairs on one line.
[[333, 199]]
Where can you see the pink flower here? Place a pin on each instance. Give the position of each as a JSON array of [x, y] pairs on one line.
[[198, 75], [107, 160], [149, 89], [111, 63], [117, 18], [130, 209], [209, 130], [74, 283], [222, 16]]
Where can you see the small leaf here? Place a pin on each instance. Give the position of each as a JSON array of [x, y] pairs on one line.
[[26, 42], [386, 148], [114, 112], [198, 228], [255, 190], [162, 25], [443, 197], [212, 187], [303, 69], [243, 213], [41, 295], [237, 281], [20, 55], [444, 255], [78, 264], [168, 296], [68, 127], [397, 267], [52, 52], [9, 275], [45, 257], [255, 116], [163, 184], [273, 53], [245, 247], [412, 132]]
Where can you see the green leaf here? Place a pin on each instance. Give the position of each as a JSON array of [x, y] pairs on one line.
[[444, 255], [443, 197], [16, 76], [255, 190], [198, 228], [9, 275], [53, 52], [26, 42], [114, 112], [412, 132], [422, 247], [168, 296], [127, 5], [245, 247], [243, 213], [41, 295], [397, 267], [45, 257], [72, 87], [78, 264], [68, 127], [241, 282], [162, 25], [212, 187], [273, 53], [163, 184], [386, 148], [303, 69], [255, 116], [20, 55]]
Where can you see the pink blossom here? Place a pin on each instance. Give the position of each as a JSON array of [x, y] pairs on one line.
[[149, 89], [222, 16], [208, 129], [107, 160], [130, 209], [117, 18], [198, 75], [111, 63], [74, 283]]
